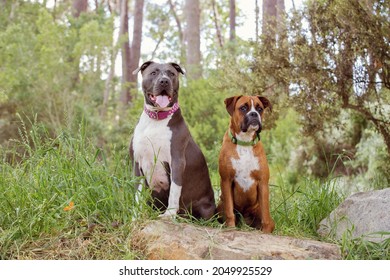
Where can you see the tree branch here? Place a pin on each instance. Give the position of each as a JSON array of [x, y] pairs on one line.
[[217, 27], [180, 30]]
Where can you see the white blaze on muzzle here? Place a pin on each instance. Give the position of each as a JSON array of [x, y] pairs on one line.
[[253, 110]]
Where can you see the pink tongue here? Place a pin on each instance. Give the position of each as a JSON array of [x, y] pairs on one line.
[[162, 101]]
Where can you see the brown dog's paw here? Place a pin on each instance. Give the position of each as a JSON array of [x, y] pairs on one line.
[[268, 227], [230, 223]]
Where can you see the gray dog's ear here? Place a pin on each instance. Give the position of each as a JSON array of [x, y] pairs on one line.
[[142, 67], [231, 103], [178, 68]]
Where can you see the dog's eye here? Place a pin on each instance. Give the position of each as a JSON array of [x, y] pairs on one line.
[[244, 108], [171, 74], [259, 109], [153, 73]]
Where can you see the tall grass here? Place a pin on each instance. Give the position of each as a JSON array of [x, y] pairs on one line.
[[361, 248], [298, 209], [63, 188], [64, 198]]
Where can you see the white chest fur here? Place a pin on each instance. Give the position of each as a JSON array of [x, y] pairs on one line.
[[244, 165], [152, 147]]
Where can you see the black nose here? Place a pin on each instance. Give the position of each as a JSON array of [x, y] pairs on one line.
[[253, 114], [164, 82]]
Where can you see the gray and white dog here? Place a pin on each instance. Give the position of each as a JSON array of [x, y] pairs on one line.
[[163, 151]]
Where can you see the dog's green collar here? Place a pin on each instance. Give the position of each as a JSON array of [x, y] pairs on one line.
[[244, 143]]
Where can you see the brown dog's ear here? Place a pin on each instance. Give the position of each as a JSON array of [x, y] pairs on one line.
[[178, 68], [230, 103], [142, 67], [266, 102]]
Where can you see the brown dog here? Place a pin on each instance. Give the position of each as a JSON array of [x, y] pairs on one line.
[[243, 165]]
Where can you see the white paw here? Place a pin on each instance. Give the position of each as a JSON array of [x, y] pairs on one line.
[[169, 213]]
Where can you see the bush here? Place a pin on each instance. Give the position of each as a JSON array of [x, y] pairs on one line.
[[206, 116], [371, 161]]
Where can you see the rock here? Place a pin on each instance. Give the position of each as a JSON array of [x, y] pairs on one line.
[[363, 214], [168, 240]]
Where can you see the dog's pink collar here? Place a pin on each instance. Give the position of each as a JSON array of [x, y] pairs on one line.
[[160, 115]]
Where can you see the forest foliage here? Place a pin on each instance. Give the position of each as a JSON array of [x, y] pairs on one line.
[[65, 128], [328, 61]]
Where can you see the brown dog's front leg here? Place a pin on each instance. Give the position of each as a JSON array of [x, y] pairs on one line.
[[267, 223], [227, 198]]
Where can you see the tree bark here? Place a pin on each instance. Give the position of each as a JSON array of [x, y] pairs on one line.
[[192, 38], [78, 7], [257, 13], [232, 18], [106, 94], [216, 23], [136, 44], [126, 53], [269, 21], [180, 31], [280, 19], [282, 41]]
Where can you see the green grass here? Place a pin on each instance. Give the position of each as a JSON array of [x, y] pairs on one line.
[[43, 175], [52, 173], [359, 248], [300, 208]]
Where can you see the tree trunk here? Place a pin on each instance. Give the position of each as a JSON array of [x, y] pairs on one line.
[[78, 7], [232, 17], [192, 38], [106, 94], [257, 12], [216, 23], [282, 42], [126, 53], [136, 44], [281, 29], [180, 31], [269, 22]]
